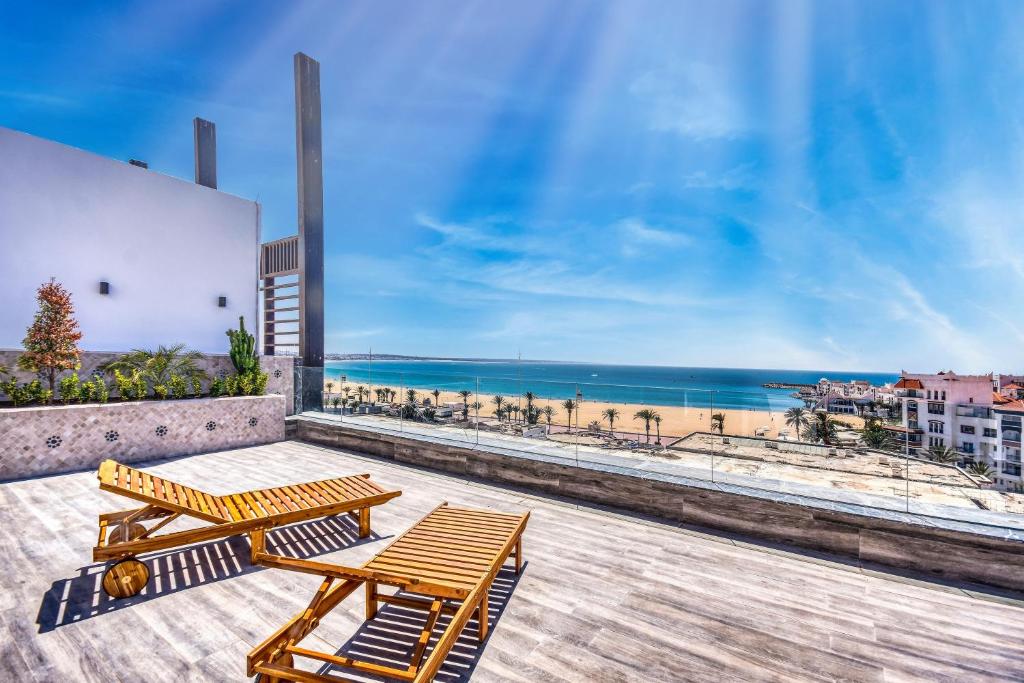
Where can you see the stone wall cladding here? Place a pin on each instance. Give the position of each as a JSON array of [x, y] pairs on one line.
[[895, 540], [40, 440], [214, 364]]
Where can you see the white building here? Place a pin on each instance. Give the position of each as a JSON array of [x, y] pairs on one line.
[[149, 259], [950, 410], [1009, 414]]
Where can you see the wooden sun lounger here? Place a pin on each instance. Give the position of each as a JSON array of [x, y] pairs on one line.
[[229, 515], [451, 557]]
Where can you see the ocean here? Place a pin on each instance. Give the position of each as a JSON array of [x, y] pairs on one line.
[[731, 388]]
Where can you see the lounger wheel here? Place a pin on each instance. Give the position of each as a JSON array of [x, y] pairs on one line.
[[125, 578], [134, 530]]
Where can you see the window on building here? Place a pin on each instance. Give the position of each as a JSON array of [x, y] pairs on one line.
[[966, 429], [936, 408], [943, 395], [967, 446], [990, 432]]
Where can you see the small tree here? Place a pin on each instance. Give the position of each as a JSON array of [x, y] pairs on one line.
[[51, 343]]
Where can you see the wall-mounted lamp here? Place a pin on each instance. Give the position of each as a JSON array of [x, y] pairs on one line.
[[104, 287], [222, 302]]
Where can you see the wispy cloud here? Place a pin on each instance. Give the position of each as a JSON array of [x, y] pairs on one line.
[[692, 99], [739, 177]]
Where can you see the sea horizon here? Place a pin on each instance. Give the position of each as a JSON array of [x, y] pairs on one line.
[[729, 388]]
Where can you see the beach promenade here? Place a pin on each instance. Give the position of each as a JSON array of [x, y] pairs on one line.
[[676, 421]]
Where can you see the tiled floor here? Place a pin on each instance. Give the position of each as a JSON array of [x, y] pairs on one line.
[[602, 598]]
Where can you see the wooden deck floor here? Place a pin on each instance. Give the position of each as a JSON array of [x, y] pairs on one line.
[[602, 597]]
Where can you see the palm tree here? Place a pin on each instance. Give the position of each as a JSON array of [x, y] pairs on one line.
[[797, 417], [330, 388], [610, 414], [531, 414], [569, 405], [437, 395], [657, 427], [824, 427], [465, 394], [360, 390], [943, 454], [549, 413], [411, 395], [514, 410], [158, 366], [499, 405], [718, 422], [980, 469], [647, 415]]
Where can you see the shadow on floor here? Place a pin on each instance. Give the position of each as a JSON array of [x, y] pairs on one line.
[[82, 597], [390, 638]]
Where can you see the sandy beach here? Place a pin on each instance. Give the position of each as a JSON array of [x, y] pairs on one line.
[[676, 420]]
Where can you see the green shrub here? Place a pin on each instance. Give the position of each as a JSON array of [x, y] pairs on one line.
[[139, 388], [124, 385], [217, 387], [10, 387], [197, 387], [70, 388], [244, 384], [178, 386], [261, 383], [230, 385], [160, 391], [100, 391]]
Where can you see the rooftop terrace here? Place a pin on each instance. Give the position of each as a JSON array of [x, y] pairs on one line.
[[602, 597]]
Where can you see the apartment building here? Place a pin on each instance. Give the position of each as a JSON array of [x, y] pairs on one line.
[[947, 409], [1009, 414]]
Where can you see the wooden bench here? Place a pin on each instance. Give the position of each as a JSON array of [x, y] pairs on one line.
[[123, 535], [450, 557]]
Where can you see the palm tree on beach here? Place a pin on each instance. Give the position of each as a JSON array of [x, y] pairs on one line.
[[647, 415], [549, 413], [515, 411], [569, 405], [360, 390], [437, 395], [499, 405], [796, 417], [531, 414], [657, 427], [330, 388], [411, 395], [465, 394], [824, 427], [610, 414], [718, 422]]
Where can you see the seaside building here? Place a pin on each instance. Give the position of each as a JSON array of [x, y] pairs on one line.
[[1008, 414], [963, 413]]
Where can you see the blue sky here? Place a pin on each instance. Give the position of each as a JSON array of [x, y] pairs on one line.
[[830, 185]]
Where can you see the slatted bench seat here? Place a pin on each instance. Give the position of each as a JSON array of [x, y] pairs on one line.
[[450, 557], [124, 535]]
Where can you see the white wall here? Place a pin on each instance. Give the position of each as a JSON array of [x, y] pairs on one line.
[[168, 248]]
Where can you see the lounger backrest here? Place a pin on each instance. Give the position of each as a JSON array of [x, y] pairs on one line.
[[145, 487]]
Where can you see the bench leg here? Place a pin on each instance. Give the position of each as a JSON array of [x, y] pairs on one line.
[[371, 600], [364, 522], [519, 554], [483, 617]]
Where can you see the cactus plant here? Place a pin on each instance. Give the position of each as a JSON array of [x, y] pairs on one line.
[[243, 349]]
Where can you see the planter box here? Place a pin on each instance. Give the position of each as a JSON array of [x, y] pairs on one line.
[[39, 440]]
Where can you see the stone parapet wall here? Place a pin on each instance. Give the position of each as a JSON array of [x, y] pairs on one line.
[[955, 551], [39, 440], [279, 368]]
